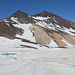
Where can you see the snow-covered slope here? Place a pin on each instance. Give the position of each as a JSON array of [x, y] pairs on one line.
[[22, 34], [38, 62], [43, 21], [55, 24], [38, 31], [26, 32]]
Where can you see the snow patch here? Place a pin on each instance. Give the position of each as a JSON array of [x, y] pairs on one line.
[[5, 20], [14, 19], [54, 19], [68, 44], [7, 43], [68, 31], [56, 27], [72, 30], [53, 44], [51, 26], [41, 18], [27, 33]]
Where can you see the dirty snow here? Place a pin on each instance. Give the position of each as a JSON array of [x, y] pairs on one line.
[[6, 43], [38, 62]]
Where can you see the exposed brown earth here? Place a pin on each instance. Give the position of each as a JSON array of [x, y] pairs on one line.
[[58, 39], [42, 35]]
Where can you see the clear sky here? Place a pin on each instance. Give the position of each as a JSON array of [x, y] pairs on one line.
[[63, 8]]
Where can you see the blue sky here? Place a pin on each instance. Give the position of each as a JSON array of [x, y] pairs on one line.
[[63, 8]]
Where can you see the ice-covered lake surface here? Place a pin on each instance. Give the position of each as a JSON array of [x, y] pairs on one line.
[[60, 61]]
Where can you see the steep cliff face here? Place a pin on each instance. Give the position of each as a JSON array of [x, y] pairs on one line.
[[43, 30]]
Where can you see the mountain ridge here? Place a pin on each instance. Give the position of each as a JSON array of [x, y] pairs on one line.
[[37, 31], [45, 14]]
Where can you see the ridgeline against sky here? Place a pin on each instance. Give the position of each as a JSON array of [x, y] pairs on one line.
[[63, 8]]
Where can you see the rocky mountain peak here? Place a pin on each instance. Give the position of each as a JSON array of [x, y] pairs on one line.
[[41, 30], [19, 14], [45, 14], [22, 17]]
